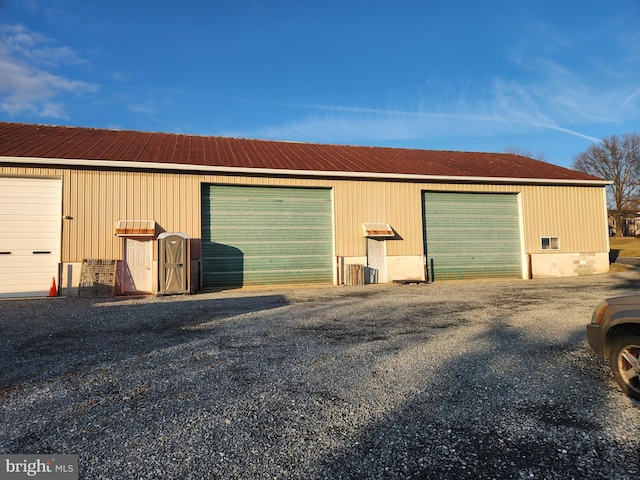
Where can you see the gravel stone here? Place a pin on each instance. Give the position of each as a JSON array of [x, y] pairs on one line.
[[450, 380]]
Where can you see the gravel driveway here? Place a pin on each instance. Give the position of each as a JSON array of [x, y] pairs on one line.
[[444, 381]]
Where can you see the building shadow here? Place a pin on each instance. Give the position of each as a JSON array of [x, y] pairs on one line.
[[222, 267]]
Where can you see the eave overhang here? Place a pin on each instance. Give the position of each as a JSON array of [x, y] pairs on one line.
[[212, 170]]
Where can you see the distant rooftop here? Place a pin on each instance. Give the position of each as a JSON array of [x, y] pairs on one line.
[[157, 150]]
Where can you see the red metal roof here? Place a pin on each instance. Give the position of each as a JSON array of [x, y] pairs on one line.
[[88, 144]]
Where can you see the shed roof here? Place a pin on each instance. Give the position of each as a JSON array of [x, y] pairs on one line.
[[132, 149]]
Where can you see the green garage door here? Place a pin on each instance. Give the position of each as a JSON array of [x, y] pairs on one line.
[[266, 236], [471, 235]]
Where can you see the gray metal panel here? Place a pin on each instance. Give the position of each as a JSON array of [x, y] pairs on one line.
[[266, 235], [472, 235]]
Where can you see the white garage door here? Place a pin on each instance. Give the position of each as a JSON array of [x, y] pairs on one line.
[[30, 220]]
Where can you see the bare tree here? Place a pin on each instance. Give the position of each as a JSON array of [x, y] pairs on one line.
[[615, 158], [525, 153]]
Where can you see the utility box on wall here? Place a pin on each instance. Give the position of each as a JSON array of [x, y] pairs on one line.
[[173, 263]]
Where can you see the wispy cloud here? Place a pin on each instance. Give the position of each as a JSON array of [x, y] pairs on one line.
[[632, 100], [121, 77], [392, 112], [27, 83], [549, 81], [568, 131], [344, 123], [147, 108], [546, 95], [509, 110]]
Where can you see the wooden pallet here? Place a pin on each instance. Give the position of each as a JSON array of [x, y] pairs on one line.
[[98, 278]]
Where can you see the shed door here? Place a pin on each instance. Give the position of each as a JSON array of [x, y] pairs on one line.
[[30, 226], [266, 236], [471, 235], [136, 265], [376, 260]]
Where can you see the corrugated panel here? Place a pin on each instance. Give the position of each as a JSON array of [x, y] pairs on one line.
[[394, 203], [40, 141], [96, 200], [381, 230], [266, 236], [472, 235], [133, 228], [575, 215]]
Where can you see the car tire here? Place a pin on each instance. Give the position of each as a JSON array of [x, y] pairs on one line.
[[625, 363]]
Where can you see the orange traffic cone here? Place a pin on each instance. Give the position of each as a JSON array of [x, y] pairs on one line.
[[53, 291]]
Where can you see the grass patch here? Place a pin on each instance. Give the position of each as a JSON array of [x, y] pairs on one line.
[[625, 246], [618, 267]]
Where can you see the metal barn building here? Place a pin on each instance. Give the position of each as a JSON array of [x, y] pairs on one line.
[[211, 212]]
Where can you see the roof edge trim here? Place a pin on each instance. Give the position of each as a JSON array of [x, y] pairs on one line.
[[307, 173]]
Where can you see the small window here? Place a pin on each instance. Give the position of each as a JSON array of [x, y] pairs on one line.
[[550, 243]]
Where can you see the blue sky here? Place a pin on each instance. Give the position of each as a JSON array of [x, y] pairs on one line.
[[545, 77]]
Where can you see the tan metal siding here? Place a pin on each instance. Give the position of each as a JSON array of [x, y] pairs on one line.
[[574, 214], [97, 199], [397, 204]]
